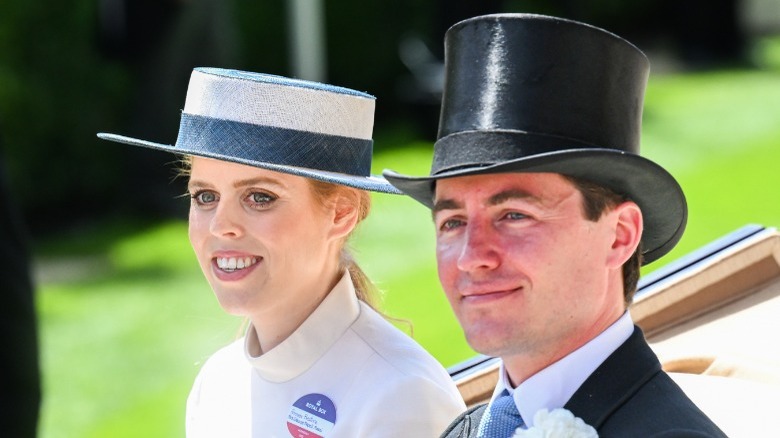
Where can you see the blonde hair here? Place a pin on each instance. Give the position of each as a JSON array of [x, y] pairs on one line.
[[324, 192], [183, 166]]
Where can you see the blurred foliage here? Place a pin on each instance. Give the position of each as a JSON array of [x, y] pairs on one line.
[[54, 90]]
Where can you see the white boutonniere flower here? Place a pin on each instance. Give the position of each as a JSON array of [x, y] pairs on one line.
[[560, 423]]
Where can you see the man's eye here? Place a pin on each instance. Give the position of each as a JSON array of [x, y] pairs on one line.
[[513, 215], [450, 224]]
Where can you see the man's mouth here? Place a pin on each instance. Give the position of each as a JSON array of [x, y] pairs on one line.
[[232, 264], [488, 295]]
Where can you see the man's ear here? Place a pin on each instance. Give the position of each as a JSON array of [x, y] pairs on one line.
[[628, 233]]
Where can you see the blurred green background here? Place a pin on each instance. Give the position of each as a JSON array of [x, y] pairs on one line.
[[125, 317]]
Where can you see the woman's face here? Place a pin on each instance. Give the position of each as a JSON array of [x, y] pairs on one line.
[[264, 243]]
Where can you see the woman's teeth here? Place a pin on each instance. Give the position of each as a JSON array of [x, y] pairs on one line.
[[235, 263]]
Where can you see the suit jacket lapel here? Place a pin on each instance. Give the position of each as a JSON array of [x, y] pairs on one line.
[[467, 424], [615, 381]]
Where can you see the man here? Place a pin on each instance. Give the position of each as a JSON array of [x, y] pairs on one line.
[[544, 212]]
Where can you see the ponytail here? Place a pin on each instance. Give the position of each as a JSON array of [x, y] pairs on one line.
[[365, 289]]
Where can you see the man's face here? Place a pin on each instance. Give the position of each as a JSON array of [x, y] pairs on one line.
[[524, 271]]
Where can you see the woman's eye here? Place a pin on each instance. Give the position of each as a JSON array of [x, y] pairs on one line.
[[260, 199], [204, 197]]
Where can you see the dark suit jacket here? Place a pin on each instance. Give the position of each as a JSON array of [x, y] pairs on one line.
[[627, 396]]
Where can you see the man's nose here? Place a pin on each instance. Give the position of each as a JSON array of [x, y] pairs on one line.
[[479, 250]]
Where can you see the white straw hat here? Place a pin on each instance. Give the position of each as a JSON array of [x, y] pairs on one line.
[[303, 128]]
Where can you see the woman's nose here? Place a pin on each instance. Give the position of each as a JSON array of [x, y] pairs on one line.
[[226, 221]]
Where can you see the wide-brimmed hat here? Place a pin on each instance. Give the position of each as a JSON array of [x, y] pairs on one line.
[[531, 93], [287, 125]]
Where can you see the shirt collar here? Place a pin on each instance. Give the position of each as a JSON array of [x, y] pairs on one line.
[[311, 340], [553, 386]]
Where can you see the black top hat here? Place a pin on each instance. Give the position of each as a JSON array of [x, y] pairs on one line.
[[530, 93]]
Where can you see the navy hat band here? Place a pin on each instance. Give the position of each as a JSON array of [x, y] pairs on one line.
[[245, 141]]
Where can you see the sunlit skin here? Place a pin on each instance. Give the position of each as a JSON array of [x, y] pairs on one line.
[[529, 278], [270, 222]]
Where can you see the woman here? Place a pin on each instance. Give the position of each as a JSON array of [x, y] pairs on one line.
[[278, 173]]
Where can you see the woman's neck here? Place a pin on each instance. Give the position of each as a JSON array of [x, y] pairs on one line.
[[276, 324]]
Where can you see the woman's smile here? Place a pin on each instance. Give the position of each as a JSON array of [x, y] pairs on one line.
[[231, 264], [233, 268]]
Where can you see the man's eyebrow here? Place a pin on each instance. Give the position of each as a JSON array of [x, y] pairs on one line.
[[444, 204], [512, 194], [497, 199]]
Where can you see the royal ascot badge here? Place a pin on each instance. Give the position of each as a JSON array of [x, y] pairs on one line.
[[312, 416]]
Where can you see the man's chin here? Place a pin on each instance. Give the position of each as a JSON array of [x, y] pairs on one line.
[[486, 344]]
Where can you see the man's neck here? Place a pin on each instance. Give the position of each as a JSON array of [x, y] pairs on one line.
[[521, 366]]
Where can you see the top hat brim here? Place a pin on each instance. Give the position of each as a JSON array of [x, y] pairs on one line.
[[650, 186], [371, 182]]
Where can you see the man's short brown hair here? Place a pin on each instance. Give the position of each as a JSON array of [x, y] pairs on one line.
[[597, 200]]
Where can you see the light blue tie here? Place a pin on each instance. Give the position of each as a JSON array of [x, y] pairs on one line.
[[500, 419]]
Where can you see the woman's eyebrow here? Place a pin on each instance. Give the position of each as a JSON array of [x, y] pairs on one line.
[[257, 180], [198, 184], [195, 184]]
